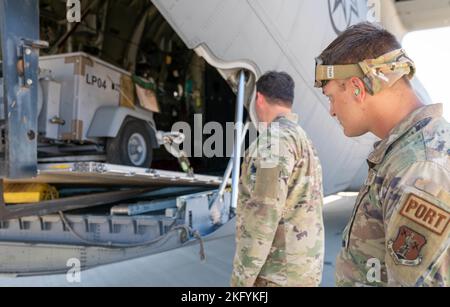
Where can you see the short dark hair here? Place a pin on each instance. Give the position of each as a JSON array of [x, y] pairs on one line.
[[359, 42], [277, 87]]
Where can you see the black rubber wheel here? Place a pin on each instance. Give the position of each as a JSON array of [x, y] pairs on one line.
[[132, 146]]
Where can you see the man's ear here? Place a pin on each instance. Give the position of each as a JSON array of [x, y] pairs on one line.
[[358, 88], [259, 99]]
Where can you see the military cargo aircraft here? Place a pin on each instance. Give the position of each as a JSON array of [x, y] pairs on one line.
[[190, 52]]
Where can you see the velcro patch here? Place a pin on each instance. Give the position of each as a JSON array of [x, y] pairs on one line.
[[266, 185], [426, 214]]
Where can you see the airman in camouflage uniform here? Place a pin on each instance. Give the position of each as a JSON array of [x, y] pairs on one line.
[[280, 234], [398, 234]]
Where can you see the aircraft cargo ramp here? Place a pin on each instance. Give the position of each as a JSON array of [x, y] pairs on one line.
[[184, 263], [107, 174]]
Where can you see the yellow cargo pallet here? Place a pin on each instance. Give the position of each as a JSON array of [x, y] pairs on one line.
[[29, 193]]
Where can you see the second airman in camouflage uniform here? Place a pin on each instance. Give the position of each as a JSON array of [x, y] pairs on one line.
[[280, 235]]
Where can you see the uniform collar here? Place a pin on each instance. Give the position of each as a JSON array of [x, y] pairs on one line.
[[381, 148], [289, 116]]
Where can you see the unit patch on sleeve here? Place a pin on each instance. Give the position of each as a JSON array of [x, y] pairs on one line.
[[426, 214], [405, 249]]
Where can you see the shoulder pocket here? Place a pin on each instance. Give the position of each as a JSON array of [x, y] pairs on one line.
[[267, 185], [417, 237]]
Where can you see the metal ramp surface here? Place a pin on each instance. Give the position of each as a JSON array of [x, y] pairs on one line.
[[94, 173]]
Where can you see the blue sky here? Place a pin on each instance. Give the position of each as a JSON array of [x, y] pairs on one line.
[[430, 49]]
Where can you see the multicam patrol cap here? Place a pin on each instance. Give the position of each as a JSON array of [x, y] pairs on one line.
[[377, 74]]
